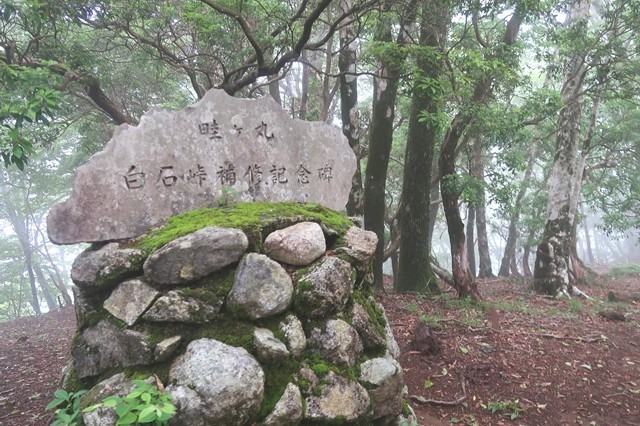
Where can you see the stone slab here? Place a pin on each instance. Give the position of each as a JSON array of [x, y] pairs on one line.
[[218, 150]]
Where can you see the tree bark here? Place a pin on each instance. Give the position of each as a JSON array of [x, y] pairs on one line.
[[526, 270], [551, 273], [349, 110], [304, 94], [46, 290], [477, 171], [462, 278], [471, 223], [512, 236], [415, 273], [587, 239], [274, 88], [385, 90]]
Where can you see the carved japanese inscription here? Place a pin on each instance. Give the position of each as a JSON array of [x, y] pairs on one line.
[[221, 148]]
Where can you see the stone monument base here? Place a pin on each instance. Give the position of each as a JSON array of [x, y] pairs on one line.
[[257, 313]]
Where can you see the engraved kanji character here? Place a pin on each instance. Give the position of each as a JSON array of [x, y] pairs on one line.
[[134, 180]]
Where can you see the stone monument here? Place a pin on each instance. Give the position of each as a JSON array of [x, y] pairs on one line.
[[220, 149], [253, 313]]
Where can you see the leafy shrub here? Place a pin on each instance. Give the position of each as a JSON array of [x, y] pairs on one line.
[[67, 408], [145, 404]]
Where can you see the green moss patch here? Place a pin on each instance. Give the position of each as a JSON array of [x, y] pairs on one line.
[[277, 376], [255, 219]]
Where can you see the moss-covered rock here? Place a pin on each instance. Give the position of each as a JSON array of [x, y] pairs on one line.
[[257, 220]]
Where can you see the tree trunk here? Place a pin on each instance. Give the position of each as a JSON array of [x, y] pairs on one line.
[[551, 271], [526, 270], [46, 290], [326, 91], [587, 239], [304, 95], [477, 171], [576, 263], [512, 237], [349, 109], [434, 207], [385, 90], [274, 88], [471, 221], [35, 302], [462, 278], [415, 273], [21, 229], [514, 267]]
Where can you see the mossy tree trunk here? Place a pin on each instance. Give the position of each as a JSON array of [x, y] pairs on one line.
[[551, 271], [415, 273]]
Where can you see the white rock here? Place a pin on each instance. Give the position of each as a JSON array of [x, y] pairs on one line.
[[298, 245]]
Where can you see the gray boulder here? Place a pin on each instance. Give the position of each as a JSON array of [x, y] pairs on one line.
[[106, 346], [262, 288], [294, 334], [393, 350], [215, 384], [360, 245], [372, 333], [175, 307], [166, 348], [129, 300], [298, 245], [268, 347], [288, 409], [96, 270], [340, 399], [195, 255], [325, 288], [83, 306], [384, 377], [337, 342]]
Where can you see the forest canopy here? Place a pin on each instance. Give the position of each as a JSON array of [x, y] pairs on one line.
[[493, 137]]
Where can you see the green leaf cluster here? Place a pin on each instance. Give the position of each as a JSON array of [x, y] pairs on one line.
[[144, 404], [26, 98], [67, 407]]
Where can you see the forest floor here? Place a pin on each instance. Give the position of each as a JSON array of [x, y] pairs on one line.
[[514, 359]]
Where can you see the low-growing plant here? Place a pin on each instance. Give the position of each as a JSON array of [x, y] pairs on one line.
[[575, 306], [624, 270], [67, 405], [144, 404], [509, 409]]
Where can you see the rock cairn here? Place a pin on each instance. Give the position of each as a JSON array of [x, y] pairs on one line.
[[268, 324]]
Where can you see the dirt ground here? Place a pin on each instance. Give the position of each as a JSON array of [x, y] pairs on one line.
[[515, 359]]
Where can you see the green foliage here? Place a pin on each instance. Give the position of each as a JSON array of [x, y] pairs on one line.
[[67, 407], [144, 404], [26, 99], [624, 270], [509, 409]]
